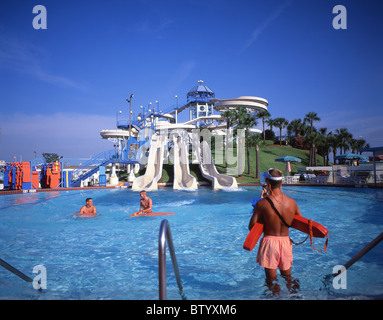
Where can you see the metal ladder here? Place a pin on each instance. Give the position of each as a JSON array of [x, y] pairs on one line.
[[165, 235]]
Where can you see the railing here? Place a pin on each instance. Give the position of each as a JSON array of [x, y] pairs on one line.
[[93, 163], [18, 273], [359, 255], [165, 235]]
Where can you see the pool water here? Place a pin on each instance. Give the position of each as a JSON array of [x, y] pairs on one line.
[[113, 256]]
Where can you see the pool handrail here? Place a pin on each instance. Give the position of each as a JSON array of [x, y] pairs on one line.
[[166, 236], [17, 272], [359, 255], [362, 252]]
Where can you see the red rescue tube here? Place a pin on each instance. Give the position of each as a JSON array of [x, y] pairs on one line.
[[303, 224], [253, 236], [312, 228]]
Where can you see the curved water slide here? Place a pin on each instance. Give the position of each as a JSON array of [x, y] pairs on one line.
[[153, 173], [208, 169], [182, 177]]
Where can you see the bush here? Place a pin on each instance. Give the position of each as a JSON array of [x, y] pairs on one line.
[[297, 142], [270, 135]]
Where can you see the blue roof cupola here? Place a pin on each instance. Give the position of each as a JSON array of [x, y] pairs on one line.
[[200, 91]]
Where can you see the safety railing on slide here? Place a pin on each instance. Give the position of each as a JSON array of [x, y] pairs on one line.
[[165, 236], [92, 164]]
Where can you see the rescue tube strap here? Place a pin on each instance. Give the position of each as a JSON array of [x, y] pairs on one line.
[[311, 238], [279, 215], [297, 244]]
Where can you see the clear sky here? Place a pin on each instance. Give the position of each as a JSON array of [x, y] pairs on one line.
[[60, 86]]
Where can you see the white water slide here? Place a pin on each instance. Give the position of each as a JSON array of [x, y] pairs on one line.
[[153, 173], [208, 169], [182, 177]]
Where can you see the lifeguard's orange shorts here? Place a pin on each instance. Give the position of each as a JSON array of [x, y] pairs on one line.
[[275, 252]]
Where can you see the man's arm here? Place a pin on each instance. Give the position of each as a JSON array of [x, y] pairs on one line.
[[256, 215]]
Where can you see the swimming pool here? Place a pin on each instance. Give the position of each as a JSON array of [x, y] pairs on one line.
[[113, 256]]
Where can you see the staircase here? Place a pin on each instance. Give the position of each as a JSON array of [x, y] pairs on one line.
[[92, 166]]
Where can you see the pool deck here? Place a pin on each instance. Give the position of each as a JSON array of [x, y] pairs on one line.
[[201, 183]]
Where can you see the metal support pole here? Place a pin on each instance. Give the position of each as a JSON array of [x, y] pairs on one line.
[[130, 113]]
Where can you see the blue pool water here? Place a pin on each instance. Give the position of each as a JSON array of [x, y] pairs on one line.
[[113, 256]]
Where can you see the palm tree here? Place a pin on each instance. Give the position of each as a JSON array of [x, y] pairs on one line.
[[280, 123], [334, 143], [246, 121], [325, 144], [314, 139], [255, 140], [310, 118], [264, 114], [344, 137], [296, 126], [353, 145], [271, 123], [356, 144], [231, 118], [361, 143]]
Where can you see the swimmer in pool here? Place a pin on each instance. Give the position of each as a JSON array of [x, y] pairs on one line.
[[145, 204], [89, 210]]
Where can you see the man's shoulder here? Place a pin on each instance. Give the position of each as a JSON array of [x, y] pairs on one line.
[[262, 202], [291, 200]]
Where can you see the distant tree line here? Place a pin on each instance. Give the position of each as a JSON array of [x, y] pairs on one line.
[[301, 134]]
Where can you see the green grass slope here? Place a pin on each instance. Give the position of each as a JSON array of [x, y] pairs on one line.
[[267, 156]]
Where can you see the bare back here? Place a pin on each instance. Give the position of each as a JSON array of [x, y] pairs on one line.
[[273, 226]]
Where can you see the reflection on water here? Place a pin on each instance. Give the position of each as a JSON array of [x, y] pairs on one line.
[[27, 199]]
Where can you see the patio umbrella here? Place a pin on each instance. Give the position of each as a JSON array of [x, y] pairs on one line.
[[351, 156], [288, 159]]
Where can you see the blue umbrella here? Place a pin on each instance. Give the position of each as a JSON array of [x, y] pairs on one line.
[[351, 156], [288, 159]]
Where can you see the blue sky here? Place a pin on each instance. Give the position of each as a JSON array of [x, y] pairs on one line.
[[60, 86]]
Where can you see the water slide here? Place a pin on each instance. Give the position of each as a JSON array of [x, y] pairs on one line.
[[182, 177], [153, 171], [208, 169]]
